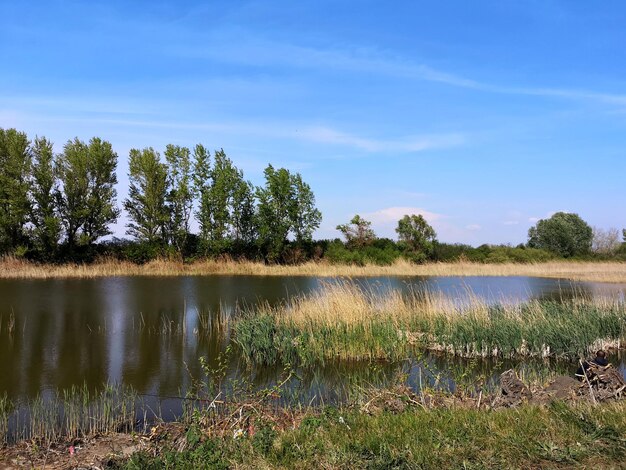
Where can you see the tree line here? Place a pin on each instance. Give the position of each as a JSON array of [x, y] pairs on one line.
[[57, 206], [561, 236]]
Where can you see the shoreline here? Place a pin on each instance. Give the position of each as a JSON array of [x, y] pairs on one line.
[[255, 434], [584, 271]]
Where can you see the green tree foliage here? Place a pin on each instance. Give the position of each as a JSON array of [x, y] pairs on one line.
[[44, 215], [87, 201], [201, 187], [275, 200], [286, 206], [146, 205], [358, 232], [564, 234], [416, 234], [15, 167], [101, 200], [226, 202], [72, 169], [180, 196], [244, 228], [305, 216]]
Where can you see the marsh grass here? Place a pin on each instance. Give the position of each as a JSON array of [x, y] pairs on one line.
[[11, 267], [6, 409], [70, 413], [344, 321]]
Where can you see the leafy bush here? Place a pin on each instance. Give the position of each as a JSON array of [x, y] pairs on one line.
[[382, 252], [445, 252]]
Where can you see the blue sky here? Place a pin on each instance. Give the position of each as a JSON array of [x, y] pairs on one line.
[[484, 116]]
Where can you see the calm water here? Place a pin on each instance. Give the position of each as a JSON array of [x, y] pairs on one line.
[[111, 330]]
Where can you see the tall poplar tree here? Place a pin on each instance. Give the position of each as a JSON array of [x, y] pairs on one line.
[[305, 217], [286, 206], [145, 205], [180, 195], [226, 203], [243, 217], [72, 168], [44, 214], [15, 167], [87, 199], [102, 210], [201, 187]]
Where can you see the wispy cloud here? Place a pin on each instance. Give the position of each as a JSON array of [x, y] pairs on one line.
[[406, 145], [280, 130], [261, 52]]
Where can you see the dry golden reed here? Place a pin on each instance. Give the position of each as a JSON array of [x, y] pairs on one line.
[[614, 272]]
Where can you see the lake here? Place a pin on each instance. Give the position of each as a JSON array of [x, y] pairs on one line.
[[145, 332]]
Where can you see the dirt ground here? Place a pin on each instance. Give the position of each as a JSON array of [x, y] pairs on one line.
[[95, 452]]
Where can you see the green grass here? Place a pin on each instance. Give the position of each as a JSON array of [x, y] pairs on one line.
[[558, 436], [545, 328], [264, 341]]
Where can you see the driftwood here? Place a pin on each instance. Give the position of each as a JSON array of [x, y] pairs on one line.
[[606, 382], [600, 383]]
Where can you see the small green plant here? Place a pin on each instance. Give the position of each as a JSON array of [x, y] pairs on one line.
[[263, 439], [193, 435]]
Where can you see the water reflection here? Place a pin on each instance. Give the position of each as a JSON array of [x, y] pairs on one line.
[[149, 332]]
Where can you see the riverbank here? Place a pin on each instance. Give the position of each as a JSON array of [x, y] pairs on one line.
[[517, 424], [611, 272], [403, 435]]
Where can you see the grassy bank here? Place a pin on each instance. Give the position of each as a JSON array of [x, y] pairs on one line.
[[342, 321], [558, 436], [614, 272], [402, 430]]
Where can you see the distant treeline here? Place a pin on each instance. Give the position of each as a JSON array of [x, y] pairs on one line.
[[58, 207]]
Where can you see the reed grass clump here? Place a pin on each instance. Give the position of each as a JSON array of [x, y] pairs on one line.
[[343, 321], [6, 410], [70, 413]]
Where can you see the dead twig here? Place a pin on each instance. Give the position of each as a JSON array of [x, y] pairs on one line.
[[593, 396]]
